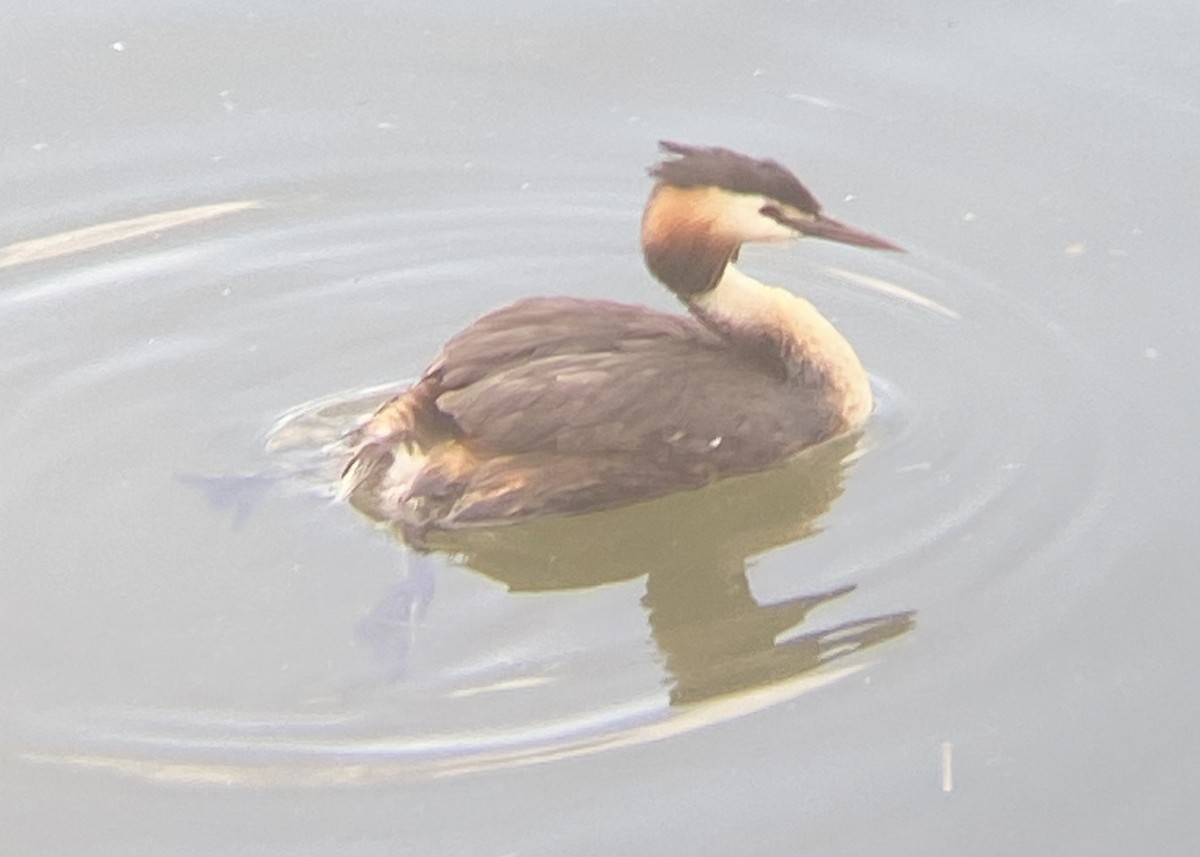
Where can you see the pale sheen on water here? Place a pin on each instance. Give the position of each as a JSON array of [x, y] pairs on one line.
[[229, 230]]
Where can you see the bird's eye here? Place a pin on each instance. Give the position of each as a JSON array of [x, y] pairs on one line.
[[772, 211]]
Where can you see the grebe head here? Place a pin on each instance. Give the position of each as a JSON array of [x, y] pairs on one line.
[[708, 201]]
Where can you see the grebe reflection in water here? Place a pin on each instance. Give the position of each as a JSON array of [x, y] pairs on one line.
[[559, 406]]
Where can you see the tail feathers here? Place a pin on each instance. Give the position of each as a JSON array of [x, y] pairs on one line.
[[394, 421], [365, 469], [374, 443]]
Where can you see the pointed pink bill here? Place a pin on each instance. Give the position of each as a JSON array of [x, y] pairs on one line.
[[832, 230]]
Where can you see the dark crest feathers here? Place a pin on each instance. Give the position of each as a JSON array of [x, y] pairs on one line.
[[704, 166]]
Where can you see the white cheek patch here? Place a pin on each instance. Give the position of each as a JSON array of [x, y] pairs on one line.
[[741, 218]]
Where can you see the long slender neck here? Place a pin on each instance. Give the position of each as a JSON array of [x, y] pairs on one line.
[[781, 326], [693, 257]]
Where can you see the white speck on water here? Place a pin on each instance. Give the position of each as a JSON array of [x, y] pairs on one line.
[[969, 216], [1150, 353], [715, 442], [118, 46], [40, 147], [911, 468], [385, 126], [811, 99], [947, 766]]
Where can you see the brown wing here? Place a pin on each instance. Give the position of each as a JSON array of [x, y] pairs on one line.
[[557, 405], [661, 400], [542, 327]]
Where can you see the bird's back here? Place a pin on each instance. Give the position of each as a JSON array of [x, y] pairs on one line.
[[562, 406]]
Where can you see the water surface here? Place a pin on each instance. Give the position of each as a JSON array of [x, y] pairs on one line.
[[964, 635]]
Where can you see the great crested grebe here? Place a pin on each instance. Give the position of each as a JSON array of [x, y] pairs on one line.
[[558, 406]]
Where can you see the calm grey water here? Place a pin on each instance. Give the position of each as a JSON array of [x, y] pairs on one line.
[[975, 638]]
